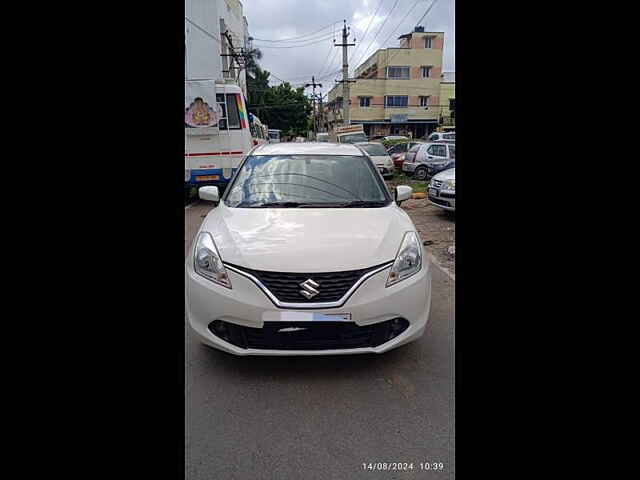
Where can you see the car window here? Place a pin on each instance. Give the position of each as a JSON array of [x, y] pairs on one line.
[[452, 151], [374, 149], [309, 179], [449, 136], [437, 150]]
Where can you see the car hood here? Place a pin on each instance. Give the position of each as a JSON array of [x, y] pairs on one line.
[[307, 240], [449, 174]]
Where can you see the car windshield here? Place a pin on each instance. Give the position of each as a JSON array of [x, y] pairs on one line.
[[374, 149], [286, 181], [353, 138]]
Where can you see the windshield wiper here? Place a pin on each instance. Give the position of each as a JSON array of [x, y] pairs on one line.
[[364, 203], [278, 204], [354, 204]]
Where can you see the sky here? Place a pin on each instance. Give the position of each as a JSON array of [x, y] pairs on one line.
[[314, 54]]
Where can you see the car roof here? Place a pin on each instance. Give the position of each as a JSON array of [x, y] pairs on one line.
[[307, 148]]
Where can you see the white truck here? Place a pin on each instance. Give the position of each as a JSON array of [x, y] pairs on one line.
[[349, 134]]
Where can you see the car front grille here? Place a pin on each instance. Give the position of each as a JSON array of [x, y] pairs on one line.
[[309, 335], [286, 286]]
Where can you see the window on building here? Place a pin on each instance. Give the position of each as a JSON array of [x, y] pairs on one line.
[[365, 101], [424, 102], [426, 71], [398, 72], [428, 41], [396, 101]]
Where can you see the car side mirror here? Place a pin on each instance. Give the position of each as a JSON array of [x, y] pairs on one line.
[[209, 193], [403, 192]]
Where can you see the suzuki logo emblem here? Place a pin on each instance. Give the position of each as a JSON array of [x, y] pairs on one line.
[[309, 289]]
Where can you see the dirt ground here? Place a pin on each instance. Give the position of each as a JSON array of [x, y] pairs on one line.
[[436, 226]]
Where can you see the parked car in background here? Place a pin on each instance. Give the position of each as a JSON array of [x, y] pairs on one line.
[[428, 159], [398, 151], [322, 261], [322, 137], [442, 137], [380, 157], [442, 189], [274, 135], [300, 140], [394, 137]]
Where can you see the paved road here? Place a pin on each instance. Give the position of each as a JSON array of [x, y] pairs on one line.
[[322, 417]]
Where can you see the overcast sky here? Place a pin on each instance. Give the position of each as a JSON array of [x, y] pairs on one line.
[[286, 19]]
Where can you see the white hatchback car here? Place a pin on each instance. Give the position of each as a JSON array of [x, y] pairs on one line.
[[380, 157], [307, 253]]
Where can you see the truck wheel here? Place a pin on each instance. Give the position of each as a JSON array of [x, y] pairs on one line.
[[420, 173]]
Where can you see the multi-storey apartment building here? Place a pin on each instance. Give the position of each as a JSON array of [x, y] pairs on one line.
[[397, 90], [207, 46]]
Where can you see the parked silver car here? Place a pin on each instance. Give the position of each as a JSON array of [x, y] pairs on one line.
[[442, 190], [428, 159]]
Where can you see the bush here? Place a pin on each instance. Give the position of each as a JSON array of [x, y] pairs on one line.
[[389, 143]]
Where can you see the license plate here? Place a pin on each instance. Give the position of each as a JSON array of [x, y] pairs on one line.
[[433, 192], [305, 317], [205, 178]]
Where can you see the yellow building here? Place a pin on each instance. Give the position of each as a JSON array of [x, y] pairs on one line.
[[397, 91], [448, 99]]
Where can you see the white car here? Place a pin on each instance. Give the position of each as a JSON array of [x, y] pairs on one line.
[[442, 190], [380, 157], [442, 137], [307, 253]]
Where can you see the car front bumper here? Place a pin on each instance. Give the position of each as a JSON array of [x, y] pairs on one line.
[[444, 199], [246, 305]]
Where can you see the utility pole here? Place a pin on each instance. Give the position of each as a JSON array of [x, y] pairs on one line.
[[345, 72], [313, 100]]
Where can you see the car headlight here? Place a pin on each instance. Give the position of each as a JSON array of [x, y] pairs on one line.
[[449, 184], [207, 262], [408, 260]]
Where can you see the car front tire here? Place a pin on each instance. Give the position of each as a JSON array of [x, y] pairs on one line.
[[420, 173]]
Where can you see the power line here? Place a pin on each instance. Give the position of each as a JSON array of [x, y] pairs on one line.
[[353, 54], [398, 26], [380, 30], [425, 13], [296, 46], [303, 40], [301, 36], [202, 29], [421, 18]]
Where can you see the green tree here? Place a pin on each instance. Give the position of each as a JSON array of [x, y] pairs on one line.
[[281, 107]]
